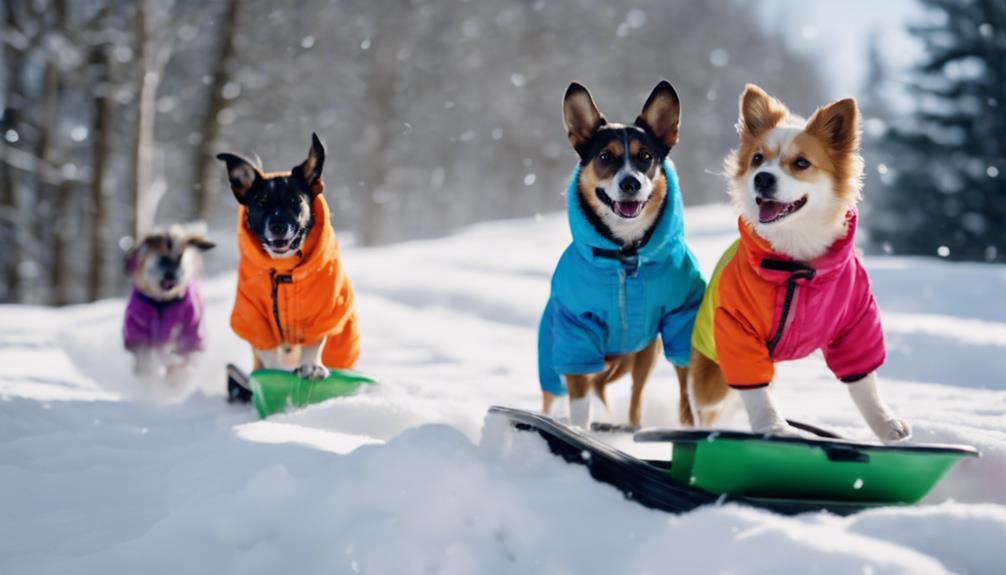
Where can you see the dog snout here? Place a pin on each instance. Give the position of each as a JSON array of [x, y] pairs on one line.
[[278, 228], [629, 185], [764, 183]]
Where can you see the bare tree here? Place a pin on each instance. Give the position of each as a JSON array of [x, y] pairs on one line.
[[203, 182], [101, 151], [154, 43]]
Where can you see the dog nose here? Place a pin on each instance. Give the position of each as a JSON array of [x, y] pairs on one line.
[[764, 183], [629, 185], [278, 228]]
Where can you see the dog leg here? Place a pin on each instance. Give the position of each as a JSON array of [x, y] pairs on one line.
[[763, 413], [268, 359], [547, 400], [144, 363], [884, 423], [579, 400], [310, 362], [703, 395], [642, 368]]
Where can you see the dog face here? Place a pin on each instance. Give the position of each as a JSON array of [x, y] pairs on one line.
[[278, 205], [793, 180], [163, 263], [622, 188]]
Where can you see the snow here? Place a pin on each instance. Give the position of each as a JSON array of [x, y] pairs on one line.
[[101, 473]]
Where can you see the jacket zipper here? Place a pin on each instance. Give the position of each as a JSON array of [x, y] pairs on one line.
[[787, 306], [622, 315], [276, 280]]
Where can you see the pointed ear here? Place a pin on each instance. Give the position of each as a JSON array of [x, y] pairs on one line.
[[837, 125], [310, 169], [200, 243], [581, 117], [139, 249], [661, 114], [241, 173], [759, 112]]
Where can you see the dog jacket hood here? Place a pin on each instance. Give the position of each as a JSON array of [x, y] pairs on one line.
[[298, 299], [608, 300], [763, 307], [174, 325]]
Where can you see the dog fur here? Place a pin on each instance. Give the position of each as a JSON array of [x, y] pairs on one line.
[[623, 192], [815, 179], [162, 266]]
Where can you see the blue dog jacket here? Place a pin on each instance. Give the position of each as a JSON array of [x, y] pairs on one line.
[[610, 301]]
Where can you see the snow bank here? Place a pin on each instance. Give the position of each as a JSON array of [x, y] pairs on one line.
[[102, 473]]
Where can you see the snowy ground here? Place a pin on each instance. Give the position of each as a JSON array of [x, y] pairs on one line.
[[100, 473]]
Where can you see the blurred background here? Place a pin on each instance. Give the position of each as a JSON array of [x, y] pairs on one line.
[[439, 113]]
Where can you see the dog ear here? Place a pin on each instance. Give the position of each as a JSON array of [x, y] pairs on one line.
[[135, 253], [310, 169], [581, 117], [837, 124], [759, 112], [200, 243], [241, 173], [661, 114]]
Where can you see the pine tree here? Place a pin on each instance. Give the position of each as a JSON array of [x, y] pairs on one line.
[[947, 196]]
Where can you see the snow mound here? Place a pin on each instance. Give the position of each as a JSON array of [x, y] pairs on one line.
[[103, 473]]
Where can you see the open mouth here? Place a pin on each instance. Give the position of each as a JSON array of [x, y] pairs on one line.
[[168, 285], [283, 245], [279, 246], [770, 211], [627, 209]]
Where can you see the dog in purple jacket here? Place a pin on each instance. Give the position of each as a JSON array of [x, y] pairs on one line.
[[163, 323]]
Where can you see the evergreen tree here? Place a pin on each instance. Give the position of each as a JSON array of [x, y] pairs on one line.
[[947, 196]]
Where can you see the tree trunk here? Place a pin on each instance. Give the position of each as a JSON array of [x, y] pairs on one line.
[[145, 111], [10, 227], [203, 183], [100, 134]]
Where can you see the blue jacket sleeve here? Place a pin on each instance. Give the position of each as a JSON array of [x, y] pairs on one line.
[[578, 342], [676, 325]]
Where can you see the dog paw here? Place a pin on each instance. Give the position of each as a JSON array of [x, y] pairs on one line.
[[783, 430], [311, 371], [893, 429]]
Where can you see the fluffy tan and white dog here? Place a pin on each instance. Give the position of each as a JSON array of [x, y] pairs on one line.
[[793, 283]]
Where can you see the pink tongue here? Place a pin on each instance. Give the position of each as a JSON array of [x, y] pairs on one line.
[[628, 209], [769, 210]]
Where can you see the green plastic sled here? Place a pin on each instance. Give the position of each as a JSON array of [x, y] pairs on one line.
[[825, 469], [275, 391]]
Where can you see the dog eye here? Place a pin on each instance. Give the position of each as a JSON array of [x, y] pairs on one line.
[[757, 159], [645, 157], [801, 163], [604, 157]]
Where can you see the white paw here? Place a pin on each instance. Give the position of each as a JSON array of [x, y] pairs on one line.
[[311, 371], [783, 430], [893, 429]]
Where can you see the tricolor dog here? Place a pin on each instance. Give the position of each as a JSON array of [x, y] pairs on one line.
[[163, 324], [793, 283], [294, 302], [628, 282]]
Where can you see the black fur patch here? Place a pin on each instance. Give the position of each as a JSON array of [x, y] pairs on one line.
[[589, 151], [281, 199]]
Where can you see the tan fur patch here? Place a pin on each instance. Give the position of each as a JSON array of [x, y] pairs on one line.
[[589, 181], [657, 197]]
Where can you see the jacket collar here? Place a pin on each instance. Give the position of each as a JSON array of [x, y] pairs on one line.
[[161, 304], [778, 268], [319, 247], [667, 233]]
